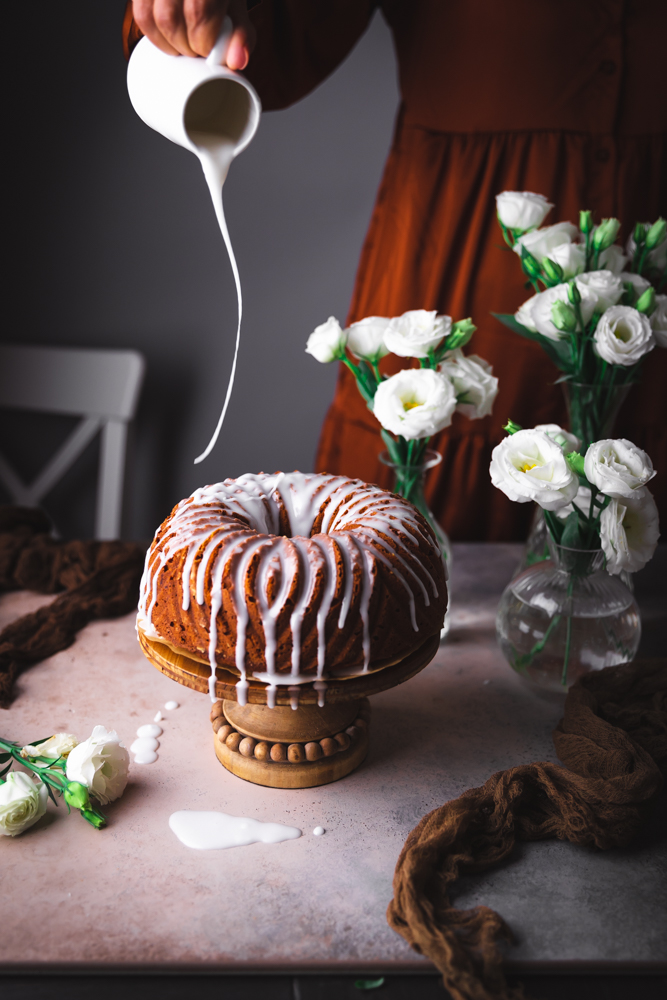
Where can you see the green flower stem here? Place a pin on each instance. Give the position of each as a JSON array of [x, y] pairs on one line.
[[568, 633]]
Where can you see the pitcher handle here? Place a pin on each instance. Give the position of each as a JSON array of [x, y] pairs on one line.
[[219, 51]]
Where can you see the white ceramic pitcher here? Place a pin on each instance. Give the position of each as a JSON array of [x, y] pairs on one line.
[[194, 102]]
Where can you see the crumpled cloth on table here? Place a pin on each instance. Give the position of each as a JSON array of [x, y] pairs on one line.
[[612, 741], [99, 580]]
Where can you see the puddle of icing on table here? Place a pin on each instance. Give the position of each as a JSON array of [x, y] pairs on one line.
[[150, 730], [214, 831], [145, 746], [171, 705]]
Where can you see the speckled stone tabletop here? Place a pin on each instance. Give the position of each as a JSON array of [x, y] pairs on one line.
[[133, 895]]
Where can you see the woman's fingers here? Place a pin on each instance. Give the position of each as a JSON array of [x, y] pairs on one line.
[[192, 27]]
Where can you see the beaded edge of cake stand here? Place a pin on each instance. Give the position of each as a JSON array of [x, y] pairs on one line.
[[293, 753]]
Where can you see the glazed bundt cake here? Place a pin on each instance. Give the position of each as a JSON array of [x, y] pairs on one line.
[[288, 578]]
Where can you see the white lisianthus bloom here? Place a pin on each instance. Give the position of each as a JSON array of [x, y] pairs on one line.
[[571, 257], [415, 403], [56, 746], [528, 466], [568, 442], [101, 763], [524, 313], [629, 532], [22, 803], [543, 301], [607, 286], [365, 339], [613, 259], [542, 242], [327, 341], [623, 336], [416, 332], [472, 378], [659, 320], [639, 283], [658, 256], [618, 468], [522, 209]]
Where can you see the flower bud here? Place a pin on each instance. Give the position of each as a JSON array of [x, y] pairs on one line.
[[646, 301], [639, 234], [76, 795], [461, 333], [563, 317], [656, 234], [94, 818], [585, 221], [605, 234], [576, 462], [511, 427], [573, 293], [552, 269], [530, 264]]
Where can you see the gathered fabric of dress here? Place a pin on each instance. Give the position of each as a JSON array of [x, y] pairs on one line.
[[565, 99]]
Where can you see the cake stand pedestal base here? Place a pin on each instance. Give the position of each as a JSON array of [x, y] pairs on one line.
[[300, 742], [285, 748]]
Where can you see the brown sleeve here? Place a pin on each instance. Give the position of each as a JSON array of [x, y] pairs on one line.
[[299, 43]]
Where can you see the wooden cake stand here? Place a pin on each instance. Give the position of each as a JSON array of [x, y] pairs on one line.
[[286, 746]]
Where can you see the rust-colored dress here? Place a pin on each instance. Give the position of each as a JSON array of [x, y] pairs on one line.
[[565, 98]]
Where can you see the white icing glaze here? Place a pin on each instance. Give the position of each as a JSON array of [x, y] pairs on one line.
[[211, 831], [170, 705], [318, 831], [149, 730], [144, 743], [157, 717], [145, 757], [228, 524]]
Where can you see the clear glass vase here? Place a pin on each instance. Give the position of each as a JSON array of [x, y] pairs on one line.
[[409, 483], [564, 617]]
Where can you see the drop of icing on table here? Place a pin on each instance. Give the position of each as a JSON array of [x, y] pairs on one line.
[[145, 757], [171, 705], [157, 717], [318, 831], [149, 730], [213, 831], [144, 743]]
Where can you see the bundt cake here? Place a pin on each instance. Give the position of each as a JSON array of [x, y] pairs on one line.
[[289, 578]]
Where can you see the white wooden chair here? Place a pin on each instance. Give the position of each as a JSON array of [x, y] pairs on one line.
[[100, 386]]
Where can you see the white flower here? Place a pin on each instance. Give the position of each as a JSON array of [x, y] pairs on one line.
[[415, 332], [658, 256], [473, 378], [22, 803], [524, 313], [623, 336], [541, 242], [56, 746], [629, 533], [327, 341], [571, 257], [528, 465], [522, 209], [415, 403], [366, 338], [568, 442], [607, 286], [101, 763], [659, 320], [543, 301], [618, 468], [613, 259], [639, 283]]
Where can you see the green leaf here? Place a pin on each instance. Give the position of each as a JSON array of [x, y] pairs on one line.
[[4, 757], [571, 537], [368, 984], [4, 772]]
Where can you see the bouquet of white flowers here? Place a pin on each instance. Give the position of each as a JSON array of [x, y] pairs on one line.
[[415, 403], [597, 310], [61, 766], [599, 515]]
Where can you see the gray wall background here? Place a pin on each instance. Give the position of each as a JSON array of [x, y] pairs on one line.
[[114, 244]]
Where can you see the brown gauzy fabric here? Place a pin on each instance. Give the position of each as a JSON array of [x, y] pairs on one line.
[[99, 580], [612, 740]]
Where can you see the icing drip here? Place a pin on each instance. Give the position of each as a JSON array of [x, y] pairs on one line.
[[210, 831], [222, 528]]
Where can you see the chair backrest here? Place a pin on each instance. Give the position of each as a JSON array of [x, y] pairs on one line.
[[100, 386], [72, 380]]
